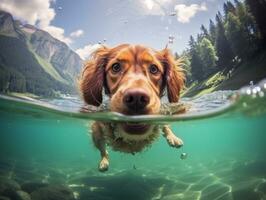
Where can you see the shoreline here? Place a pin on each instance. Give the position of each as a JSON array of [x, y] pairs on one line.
[[246, 73]]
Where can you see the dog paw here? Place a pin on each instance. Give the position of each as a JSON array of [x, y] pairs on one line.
[[103, 165], [174, 141]]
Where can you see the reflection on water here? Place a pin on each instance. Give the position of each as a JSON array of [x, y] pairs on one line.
[[46, 152]]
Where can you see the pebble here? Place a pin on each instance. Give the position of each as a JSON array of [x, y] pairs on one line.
[[17, 195], [9, 184]]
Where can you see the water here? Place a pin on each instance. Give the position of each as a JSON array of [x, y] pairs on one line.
[[45, 148]]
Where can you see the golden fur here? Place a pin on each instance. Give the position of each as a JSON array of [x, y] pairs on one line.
[[132, 70]]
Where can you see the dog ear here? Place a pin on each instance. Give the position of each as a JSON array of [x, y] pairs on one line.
[[93, 77], [174, 77]]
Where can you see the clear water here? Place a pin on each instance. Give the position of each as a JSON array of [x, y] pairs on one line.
[[225, 141]]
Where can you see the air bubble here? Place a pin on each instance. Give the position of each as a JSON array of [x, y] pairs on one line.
[[258, 88], [261, 94], [248, 91], [254, 90], [183, 156]]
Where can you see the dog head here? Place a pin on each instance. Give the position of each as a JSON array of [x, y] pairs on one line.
[[134, 77]]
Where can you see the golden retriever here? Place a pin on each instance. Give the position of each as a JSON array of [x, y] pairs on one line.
[[135, 78]]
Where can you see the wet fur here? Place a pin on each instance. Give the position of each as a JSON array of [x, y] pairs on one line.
[[94, 80]]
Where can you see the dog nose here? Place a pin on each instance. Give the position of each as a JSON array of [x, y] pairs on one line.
[[136, 99]]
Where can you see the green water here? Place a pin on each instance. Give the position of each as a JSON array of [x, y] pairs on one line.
[[225, 143]]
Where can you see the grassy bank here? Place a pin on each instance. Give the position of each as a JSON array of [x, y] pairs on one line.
[[253, 70]]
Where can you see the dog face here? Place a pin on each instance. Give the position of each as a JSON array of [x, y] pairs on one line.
[[134, 77]]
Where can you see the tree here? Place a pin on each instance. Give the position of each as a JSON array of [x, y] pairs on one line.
[[208, 56], [212, 31], [205, 32], [223, 48], [196, 63], [236, 35], [196, 66], [229, 7], [192, 43], [186, 65], [258, 10], [240, 31], [232, 37], [248, 26]]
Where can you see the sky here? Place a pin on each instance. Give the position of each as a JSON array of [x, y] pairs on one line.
[[82, 24]]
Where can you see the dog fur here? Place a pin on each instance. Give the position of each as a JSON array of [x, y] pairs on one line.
[[135, 78]]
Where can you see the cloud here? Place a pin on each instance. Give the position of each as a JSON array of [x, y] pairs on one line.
[[77, 33], [185, 13], [154, 7], [149, 4], [86, 51], [36, 12], [58, 33]]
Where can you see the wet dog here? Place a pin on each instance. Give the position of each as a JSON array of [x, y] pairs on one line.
[[135, 78]]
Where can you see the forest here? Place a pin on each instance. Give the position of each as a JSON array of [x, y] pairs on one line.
[[235, 37]]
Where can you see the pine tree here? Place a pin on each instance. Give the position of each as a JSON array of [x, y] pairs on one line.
[[258, 10], [192, 43], [205, 33], [236, 2], [196, 66], [212, 31], [223, 48], [232, 37], [249, 30], [229, 7], [196, 63], [186, 65], [236, 35]]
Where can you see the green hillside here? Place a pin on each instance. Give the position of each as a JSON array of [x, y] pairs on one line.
[[231, 53], [252, 71], [22, 71], [48, 68]]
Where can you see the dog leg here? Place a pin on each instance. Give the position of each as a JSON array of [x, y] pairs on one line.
[[99, 142], [171, 138]]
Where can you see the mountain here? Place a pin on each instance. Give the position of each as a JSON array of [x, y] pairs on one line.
[[33, 61]]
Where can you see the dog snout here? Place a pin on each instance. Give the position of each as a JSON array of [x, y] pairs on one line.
[[136, 100]]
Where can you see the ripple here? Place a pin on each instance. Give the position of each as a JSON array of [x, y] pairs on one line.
[[224, 179]]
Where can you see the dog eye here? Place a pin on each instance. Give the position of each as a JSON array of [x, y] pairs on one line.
[[153, 69], [116, 67]]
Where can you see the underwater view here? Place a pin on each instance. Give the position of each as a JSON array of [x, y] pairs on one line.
[[47, 152]]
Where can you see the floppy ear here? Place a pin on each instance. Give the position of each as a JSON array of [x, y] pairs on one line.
[[93, 77], [173, 76]]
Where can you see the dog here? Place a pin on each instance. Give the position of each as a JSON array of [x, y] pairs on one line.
[[135, 79]]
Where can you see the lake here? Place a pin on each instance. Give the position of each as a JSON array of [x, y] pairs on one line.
[[46, 151]]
